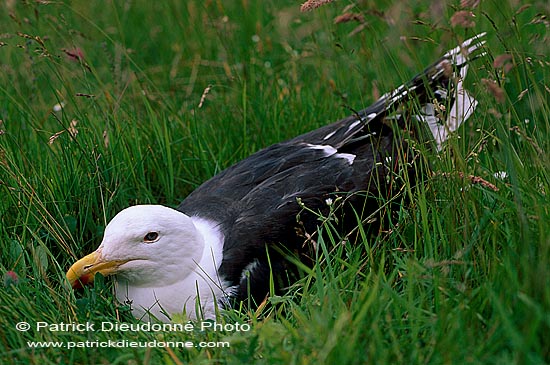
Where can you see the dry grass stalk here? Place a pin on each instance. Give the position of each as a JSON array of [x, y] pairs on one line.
[[473, 179], [531, 141], [85, 95], [522, 94], [433, 264], [349, 17], [106, 139], [479, 180], [469, 3], [203, 96], [357, 29], [71, 129], [55, 136]]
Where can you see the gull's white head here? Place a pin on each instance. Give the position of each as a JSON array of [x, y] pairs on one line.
[[143, 245]]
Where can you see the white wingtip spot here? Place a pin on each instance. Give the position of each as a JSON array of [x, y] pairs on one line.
[[347, 156], [371, 116], [328, 135], [328, 150], [352, 125], [331, 151]]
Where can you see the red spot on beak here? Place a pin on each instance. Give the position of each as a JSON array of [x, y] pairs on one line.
[[86, 279]]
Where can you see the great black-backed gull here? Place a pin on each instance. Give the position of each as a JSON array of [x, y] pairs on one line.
[[217, 247]]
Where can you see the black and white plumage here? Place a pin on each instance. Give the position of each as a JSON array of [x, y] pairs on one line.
[[213, 249]]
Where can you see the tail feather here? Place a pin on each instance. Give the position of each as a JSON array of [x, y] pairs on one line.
[[438, 90], [463, 104], [438, 86], [450, 90]]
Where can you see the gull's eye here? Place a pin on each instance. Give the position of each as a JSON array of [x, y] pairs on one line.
[[151, 237]]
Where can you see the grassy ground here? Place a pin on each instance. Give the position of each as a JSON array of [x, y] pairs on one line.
[[104, 105]]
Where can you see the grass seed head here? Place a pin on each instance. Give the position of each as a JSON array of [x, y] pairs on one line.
[[464, 19], [494, 89], [313, 4], [504, 61]]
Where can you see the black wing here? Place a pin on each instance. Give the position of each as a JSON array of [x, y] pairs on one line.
[[256, 200]]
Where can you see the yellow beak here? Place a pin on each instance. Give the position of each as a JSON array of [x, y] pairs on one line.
[[83, 271]]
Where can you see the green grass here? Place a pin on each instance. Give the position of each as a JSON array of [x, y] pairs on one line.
[[460, 273]]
